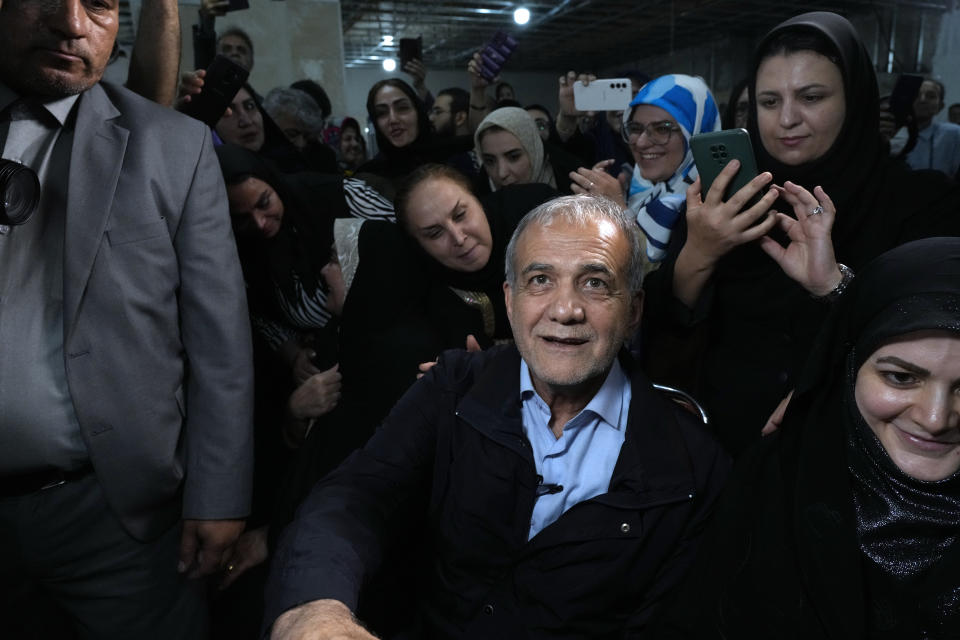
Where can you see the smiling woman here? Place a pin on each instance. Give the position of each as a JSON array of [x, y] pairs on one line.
[[403, 132], [844, 523]]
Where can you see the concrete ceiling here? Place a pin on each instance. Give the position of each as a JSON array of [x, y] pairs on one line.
[[581, 34]]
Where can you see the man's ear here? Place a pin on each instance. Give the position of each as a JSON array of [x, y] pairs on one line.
[[507, 299], [459, 118]]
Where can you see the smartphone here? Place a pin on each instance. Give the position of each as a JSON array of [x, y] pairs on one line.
[[905, 92], [494, 54], [224, 78], [612, 94], [237, 5], [711, 153], [410, 49]]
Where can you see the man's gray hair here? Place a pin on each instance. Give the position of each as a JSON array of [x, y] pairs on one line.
[[580, 210], [297, 104]]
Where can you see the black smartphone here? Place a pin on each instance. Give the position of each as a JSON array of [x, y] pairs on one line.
[[905, 92], [711, 153], [222, 82], [495, 54], [410, 49], [237, 5]]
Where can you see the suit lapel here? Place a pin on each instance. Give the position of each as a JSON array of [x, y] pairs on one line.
[[95, 163]]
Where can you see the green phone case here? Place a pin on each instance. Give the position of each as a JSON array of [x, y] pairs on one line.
[[712, 151]]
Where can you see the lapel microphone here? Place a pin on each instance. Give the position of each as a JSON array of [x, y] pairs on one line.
[[547, 488], [19, 192]]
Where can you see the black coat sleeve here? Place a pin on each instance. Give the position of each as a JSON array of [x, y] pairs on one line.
[[338, 537]]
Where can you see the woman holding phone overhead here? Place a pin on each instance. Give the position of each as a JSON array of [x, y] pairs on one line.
[[759, 282], [657, 125]]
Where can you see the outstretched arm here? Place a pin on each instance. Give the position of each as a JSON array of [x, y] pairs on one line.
[[155, 60]]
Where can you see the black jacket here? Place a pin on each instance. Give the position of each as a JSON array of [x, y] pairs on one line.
[[600, 570]]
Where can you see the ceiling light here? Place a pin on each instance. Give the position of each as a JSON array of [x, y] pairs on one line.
[[521, 16], [389, 64], [387, 41]]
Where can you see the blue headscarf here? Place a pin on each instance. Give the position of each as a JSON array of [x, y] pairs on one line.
[[657, 205]]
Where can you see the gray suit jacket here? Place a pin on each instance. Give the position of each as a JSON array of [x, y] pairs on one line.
[[156, 335]]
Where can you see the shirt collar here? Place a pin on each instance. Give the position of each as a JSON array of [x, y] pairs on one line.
[[59, 108], [607, 403]]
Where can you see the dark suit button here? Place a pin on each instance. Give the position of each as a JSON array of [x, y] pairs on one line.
[[488, 609]]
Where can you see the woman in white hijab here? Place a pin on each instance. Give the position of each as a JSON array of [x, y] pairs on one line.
[[508, 145]]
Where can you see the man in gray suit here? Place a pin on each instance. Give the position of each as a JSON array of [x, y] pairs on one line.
[[125, 372]]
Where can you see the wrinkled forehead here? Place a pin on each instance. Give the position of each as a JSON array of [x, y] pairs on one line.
[[571, 238]]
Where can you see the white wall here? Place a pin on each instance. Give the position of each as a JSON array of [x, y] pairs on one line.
[[292, 40]]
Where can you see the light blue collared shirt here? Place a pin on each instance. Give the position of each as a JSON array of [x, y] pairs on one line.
[[938, 147], [581, 461]]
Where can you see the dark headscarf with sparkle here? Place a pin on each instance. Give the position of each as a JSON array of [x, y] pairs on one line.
[[905, 528]]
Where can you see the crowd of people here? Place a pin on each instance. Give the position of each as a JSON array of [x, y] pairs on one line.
[[515, 373]]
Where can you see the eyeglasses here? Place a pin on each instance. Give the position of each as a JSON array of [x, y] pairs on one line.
[[657, 132]]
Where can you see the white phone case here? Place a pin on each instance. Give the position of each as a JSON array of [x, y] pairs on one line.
[[609, 94]]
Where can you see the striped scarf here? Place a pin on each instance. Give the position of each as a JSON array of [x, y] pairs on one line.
[[657, 205]]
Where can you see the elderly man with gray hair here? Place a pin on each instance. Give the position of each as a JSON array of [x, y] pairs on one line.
[[297, 114], [565, 495]]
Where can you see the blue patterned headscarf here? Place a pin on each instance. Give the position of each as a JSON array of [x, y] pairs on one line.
[[657, 205]]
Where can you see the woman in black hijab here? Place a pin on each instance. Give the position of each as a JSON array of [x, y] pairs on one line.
[[251, 127], [404, 134], [814, 126], [843, 524], [284, 230]]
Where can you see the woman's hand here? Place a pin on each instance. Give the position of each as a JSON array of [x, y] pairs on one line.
[[477, 81], [565, 98], [715, 227], [479, 105], [317, 396], [809, 257], [424, 367], [303, 366], [250, 550], [597, 181], [568, 116], [214, 7], [191, 84], [418, 72]]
